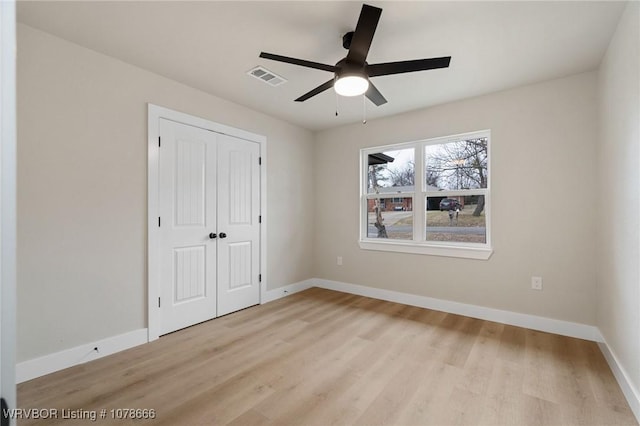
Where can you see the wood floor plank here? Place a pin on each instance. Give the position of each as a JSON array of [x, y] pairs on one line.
[[365, 377], [322, 357], [504, 403], [388, 405], [456, 334], [426, 407], [251, 418], [478, 368], [512, 344]]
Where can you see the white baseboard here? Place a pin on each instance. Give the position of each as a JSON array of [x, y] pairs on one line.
[[628, 389], [280, 292], [37, 367], [564, 328]]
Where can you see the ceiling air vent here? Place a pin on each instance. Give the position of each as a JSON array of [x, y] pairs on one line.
[[267, 76]]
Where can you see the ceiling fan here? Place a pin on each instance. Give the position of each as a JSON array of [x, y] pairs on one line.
[[352, 73]]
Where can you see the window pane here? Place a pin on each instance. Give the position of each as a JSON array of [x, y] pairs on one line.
[[391, 171], [390, 218], [456, 219], [456, 165]]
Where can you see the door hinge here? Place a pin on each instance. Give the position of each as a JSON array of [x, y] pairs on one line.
[[158, 302], [260, 219], [259, 278], [158, 221], [158, 141], [260, 161]]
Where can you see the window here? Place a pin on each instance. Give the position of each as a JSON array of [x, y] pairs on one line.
[[445, 211]]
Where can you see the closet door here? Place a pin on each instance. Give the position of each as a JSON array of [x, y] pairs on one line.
[[187, 200], [238, 224]]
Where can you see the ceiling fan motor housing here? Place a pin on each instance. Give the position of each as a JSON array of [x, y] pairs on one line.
[[345, 68]]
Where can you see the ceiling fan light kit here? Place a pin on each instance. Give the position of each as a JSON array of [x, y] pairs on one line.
[[352, 73], [351, 85], [350, 79]]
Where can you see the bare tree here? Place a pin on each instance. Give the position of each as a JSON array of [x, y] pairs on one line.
[[461, 165], [404, 176], [432, 178], [375, 176]]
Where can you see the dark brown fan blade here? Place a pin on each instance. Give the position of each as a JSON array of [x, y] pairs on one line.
[[389, 68], [374, 95], [316, 91], [363, 35], [300, 62]]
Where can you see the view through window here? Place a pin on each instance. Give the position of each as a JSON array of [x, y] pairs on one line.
[[448, 206]]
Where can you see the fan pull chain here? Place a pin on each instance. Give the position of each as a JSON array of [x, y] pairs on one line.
[[336, 93], [364, 109]]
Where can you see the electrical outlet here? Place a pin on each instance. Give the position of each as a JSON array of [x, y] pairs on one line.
[[536, 283], [339, 260]]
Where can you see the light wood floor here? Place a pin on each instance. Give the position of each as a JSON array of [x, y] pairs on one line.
[[321, 357]]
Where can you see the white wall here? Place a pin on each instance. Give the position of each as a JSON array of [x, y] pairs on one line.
[[82, 187], [618, 301], [543, 213]]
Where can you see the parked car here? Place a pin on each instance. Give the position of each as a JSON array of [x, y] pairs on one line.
[[449, 204]]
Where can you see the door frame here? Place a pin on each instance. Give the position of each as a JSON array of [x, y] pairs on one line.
[[8, 188], [155, 113]]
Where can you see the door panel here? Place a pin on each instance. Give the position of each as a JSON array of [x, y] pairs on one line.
[[189, 269], [239, 176], [238, 213], [187, 199], [190, 168], [240, 265]]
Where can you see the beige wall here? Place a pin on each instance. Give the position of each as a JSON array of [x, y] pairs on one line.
[[82, 188], [543, 213], [618, 307]]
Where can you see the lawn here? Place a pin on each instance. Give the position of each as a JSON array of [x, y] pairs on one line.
[[438, 218], [398, 222]]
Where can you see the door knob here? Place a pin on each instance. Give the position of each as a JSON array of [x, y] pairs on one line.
[[213, 235], [223, 235]]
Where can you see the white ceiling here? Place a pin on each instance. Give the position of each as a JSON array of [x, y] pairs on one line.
[[211, 45]]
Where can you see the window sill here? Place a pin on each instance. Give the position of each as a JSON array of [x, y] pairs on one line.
[[479, 253]]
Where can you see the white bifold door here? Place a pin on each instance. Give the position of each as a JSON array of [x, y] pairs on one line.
[[209, 199]]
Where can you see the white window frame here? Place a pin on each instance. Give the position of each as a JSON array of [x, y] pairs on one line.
[[419, 245]]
